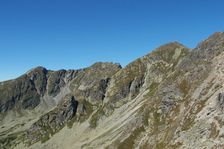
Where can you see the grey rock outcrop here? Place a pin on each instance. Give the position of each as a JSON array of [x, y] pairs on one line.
[[220, 101], [27, 91], [24, 92], [53, 121]]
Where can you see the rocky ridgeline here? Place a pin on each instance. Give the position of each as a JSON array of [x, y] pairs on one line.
[[170, 98]]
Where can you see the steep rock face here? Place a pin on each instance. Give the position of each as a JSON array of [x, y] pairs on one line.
[[55, 82], [91, 83], [149, 71], [26, 91], [128, 80], [144, 74], [181, 98], [53, 121], [23, 92]]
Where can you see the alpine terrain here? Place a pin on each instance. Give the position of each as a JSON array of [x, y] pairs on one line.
[[171, 98]]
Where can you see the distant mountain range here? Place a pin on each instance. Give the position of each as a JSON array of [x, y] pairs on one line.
[[170, 98]]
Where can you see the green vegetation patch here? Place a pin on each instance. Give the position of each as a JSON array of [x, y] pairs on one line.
[[96, 116], [129, 142]]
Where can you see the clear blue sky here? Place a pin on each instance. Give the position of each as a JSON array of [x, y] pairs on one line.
[[73, 34]]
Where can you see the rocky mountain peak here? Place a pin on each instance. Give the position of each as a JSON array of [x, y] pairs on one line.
[[209, 48], [212, 41], [170, 46], [38, 69], [169, 52], [105, 65]]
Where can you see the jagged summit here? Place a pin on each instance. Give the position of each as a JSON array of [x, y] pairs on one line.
[[212, 41], [37, 69], [105, 65], [171, 45], [169, 52], [209, 48]]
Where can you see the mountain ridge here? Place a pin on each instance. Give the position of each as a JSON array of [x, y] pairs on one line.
[[169, 98]]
